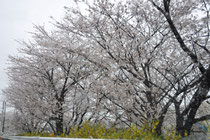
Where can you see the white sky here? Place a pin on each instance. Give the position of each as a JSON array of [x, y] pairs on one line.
[[16, 20]]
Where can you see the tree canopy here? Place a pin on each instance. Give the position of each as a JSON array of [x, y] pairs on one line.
[[119, 63]]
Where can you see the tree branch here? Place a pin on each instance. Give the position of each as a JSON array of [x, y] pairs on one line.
[[203, 118], [177, 35]]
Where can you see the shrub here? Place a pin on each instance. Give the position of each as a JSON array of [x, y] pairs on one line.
[[88, 130]]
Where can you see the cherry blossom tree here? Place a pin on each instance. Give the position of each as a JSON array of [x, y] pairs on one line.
[[125, 62], [156, 54], [192, 34], [48, 81]]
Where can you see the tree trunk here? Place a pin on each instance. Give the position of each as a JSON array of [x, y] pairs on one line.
[[198, 98], [59, 118], [162, 117], [59, 124]]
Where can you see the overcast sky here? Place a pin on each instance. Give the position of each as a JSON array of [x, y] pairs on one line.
[[16, 20]]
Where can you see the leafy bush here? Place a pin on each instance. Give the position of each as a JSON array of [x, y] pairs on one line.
[[88, 130]]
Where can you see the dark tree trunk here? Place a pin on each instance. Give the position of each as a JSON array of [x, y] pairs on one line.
[[59, 118], [59, 124], [198, 98], [162, 116]]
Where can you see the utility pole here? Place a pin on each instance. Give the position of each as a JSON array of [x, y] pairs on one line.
[[3, 116]]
